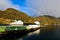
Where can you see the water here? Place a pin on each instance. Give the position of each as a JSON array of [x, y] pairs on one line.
[[47, 33]]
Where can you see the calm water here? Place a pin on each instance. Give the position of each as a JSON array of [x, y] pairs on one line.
[[41, 34]]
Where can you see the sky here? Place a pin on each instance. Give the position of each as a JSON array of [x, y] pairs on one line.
[[19, 2], [45, 7], [33, 7]]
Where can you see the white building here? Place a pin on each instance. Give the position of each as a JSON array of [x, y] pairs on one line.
[[36, 25], [17, 23], [36, 22]]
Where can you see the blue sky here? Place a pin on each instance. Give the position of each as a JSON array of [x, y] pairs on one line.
[[33, 7], [39, 7], [19, 2], [23, 6]]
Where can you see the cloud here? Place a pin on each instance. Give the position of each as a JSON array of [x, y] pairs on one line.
[[4, 4], [45, 7]]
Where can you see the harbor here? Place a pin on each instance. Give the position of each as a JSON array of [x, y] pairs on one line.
[[18, 27], [38, 34]]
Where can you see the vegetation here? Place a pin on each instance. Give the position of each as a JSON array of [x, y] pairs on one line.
[[9, 15], [48, 20]]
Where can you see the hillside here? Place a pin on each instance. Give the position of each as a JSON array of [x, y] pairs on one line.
[[12, 14], [46, 19], [9, 15]]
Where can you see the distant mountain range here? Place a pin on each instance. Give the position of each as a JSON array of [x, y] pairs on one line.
[[9, 15], [46, 19]]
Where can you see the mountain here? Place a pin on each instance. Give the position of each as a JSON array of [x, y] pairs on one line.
[[11, 14], [48, 20]]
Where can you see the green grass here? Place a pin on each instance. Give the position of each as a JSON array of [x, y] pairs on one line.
[[2, 28], [12, 28]]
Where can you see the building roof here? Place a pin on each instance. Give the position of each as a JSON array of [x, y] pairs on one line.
[[36, 22], [17, 22]]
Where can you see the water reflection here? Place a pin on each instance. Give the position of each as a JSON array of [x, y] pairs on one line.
[[20, 36], [32, 35], [50, 32]]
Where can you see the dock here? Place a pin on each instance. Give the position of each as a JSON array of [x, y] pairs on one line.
[[16, 29]]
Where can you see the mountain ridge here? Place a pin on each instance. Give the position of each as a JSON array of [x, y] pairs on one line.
[[11, 14]]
